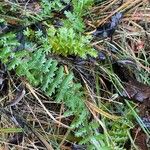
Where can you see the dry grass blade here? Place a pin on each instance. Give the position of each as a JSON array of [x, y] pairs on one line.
[[108, 6], [100, 111], [46, 144], [49, 114], [126, 5], [99, 121], [95, 108]]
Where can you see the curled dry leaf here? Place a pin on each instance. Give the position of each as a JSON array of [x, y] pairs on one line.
[[17, 99], [108, 29], [137, 91]]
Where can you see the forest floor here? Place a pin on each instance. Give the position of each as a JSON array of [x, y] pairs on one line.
[[74, 75]]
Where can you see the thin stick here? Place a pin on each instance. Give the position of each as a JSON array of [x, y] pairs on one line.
[[47, 111]]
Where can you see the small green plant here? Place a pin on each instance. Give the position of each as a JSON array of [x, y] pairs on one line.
[[113, 135], [65, 41], [81, 6], [44, 72], [75, 19]]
